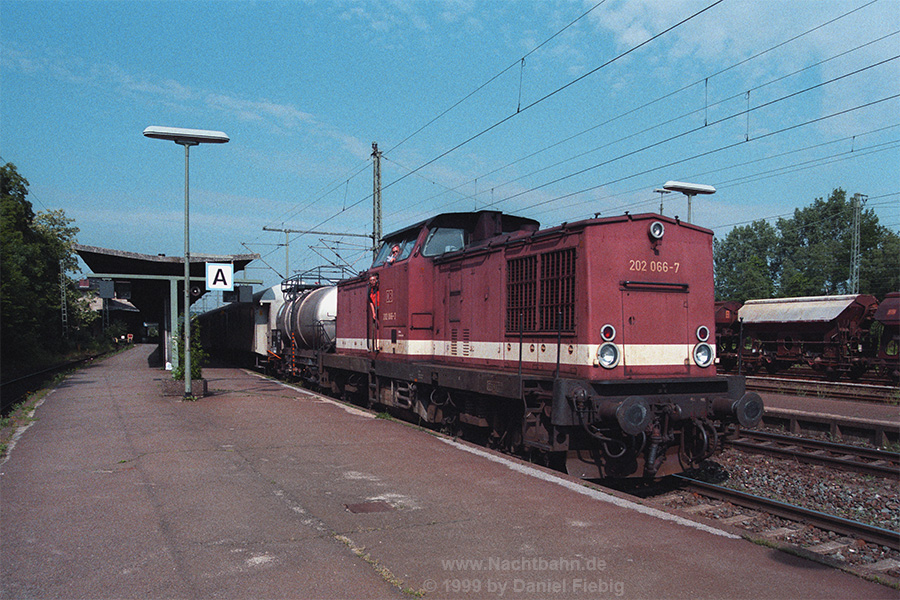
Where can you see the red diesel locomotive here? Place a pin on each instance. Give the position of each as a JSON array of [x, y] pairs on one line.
[[590, 344]]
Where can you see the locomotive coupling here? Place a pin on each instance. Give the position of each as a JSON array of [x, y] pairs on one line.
[[633, 414], [748, 409]]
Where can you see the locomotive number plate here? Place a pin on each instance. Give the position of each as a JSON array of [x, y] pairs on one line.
[[653, 266]]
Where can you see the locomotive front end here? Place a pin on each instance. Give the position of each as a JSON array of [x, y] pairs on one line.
[[650, 402]]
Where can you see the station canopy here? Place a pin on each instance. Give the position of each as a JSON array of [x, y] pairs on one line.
[[150, 275]]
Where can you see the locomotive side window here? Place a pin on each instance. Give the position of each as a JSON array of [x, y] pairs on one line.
[[382, 254], [444, 239], [405, 244]]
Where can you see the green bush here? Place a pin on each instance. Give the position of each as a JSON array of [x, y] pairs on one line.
[[198, 355]]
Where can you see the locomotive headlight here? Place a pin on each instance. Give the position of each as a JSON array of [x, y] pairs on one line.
[[608, 355], [657, 230], [703, 354]]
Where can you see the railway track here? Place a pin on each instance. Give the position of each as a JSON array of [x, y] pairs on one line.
[[12, 392], [853, 529], [869, 461], [865, 392]]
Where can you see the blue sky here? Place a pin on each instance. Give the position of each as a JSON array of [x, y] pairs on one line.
[[602, 110]]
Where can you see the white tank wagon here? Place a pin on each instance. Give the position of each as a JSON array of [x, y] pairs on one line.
[[282, 325], [307, 318]]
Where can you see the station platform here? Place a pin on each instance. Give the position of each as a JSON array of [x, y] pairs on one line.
[[844, 420], [885, 413], [261, 490]]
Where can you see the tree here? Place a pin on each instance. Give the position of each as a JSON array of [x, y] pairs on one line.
[[817, 241], [807, 255], [879, 271], [744, 262], [36, 250], [21, 304]]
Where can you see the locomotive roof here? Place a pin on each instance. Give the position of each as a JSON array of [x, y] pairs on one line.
[[487, 224], [491, 221], [808, 309]]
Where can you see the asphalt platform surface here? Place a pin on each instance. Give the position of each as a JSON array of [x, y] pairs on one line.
[[888, 414], [261, 490]]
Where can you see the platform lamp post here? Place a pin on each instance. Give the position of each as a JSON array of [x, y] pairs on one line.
[[690, 190], [661, 193], [186, 138]]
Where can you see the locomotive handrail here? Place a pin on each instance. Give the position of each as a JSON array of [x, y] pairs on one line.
[[663, 284]]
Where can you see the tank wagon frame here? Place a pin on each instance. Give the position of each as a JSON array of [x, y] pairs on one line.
[[586, 344]]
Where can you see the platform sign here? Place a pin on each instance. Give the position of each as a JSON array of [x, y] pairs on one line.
[[220, 276]]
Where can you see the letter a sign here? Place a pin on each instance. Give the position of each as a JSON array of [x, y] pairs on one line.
[[220, 276]]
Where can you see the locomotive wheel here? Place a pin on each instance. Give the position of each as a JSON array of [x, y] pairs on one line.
[[551, 460]]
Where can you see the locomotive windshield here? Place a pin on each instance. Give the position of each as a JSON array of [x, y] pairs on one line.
[[444, 239]]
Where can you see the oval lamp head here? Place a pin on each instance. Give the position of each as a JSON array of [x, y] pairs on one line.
[[180, 135]]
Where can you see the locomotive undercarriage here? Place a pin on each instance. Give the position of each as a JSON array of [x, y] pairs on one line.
[[651, 428], [592, 431]]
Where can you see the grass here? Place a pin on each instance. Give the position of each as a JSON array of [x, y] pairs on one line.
[[380, 569], [22, 415]]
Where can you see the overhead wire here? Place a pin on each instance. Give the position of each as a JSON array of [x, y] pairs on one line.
[[691, 113], [848, 154], [554, 92], [532, 104], [677, 91], [716, 150], [443, 113], [760, 176], [572, 82], [517, 62], [691, 131]]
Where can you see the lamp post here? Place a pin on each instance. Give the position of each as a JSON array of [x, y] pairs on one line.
[[661, 193], [186, 138], [690, 190]]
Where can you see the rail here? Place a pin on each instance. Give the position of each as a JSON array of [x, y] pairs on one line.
[[13, 391], [870, 461], [824, 389], [855, 529]]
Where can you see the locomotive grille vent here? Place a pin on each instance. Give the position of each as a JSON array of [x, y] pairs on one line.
[[521, 294], [541, 303], [557, 305], [460, 345]]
